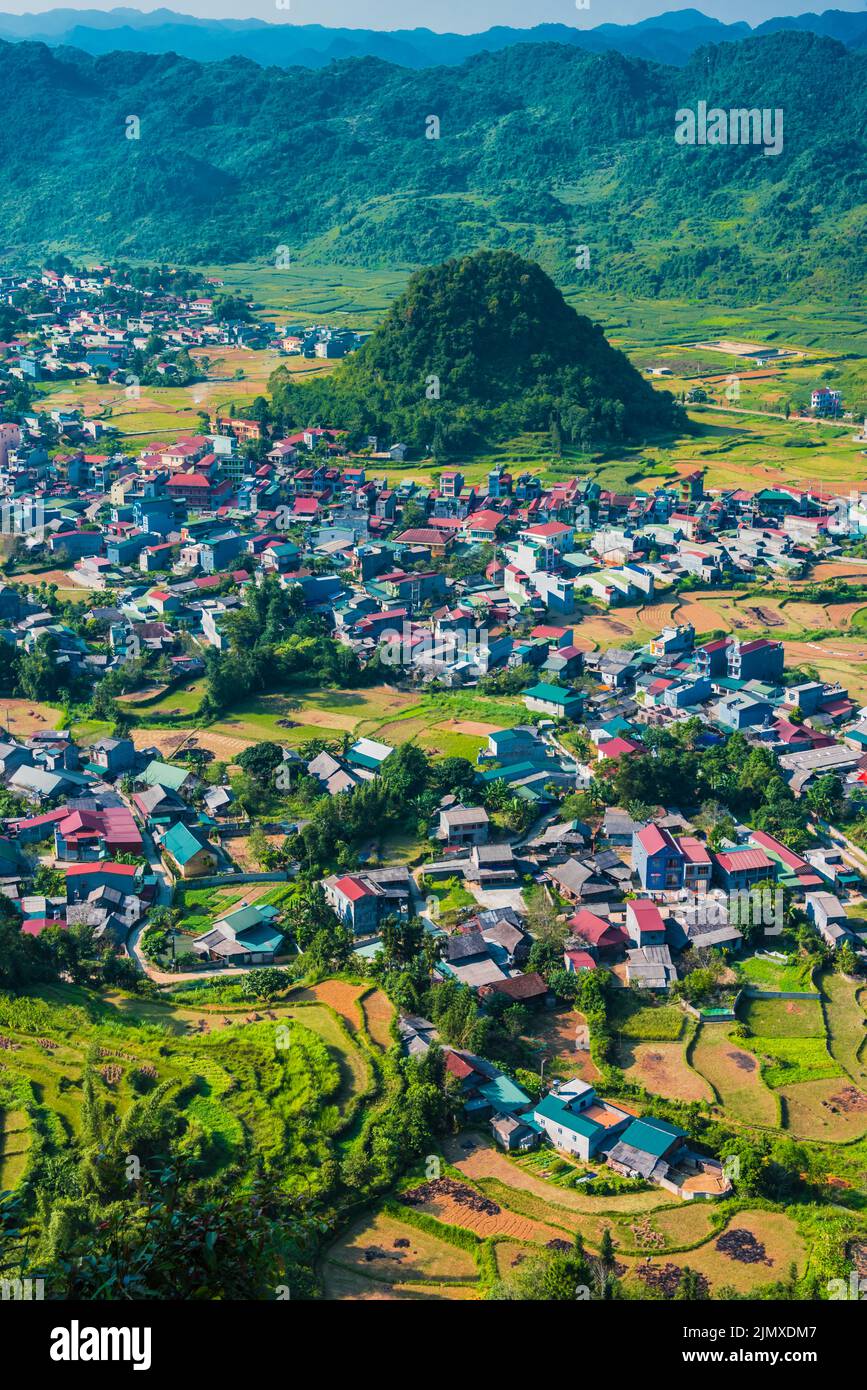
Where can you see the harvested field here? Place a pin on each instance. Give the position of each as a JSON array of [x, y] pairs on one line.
[[554, 1037], [337, 995], [329, 719], [26, 717], [454, 1212], [705, 617], [607, 631], [841, 569], [396, 1252], [469, 726], [658, 615], [378, 1013], [734, 1075], [402, 730], [833, 1110], [484, 1161], [841, 614], [661, 1067], [349, 1286], [775, 1232], [665, 1278], [510, 1255]]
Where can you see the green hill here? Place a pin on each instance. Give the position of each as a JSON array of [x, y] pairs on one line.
[[481, 347], [541, 147]]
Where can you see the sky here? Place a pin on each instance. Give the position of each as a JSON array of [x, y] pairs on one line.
[[456, 16]]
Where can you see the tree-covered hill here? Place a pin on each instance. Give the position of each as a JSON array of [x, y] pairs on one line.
[[481, 347], [541, 148]]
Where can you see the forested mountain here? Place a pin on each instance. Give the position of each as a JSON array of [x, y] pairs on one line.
[[541, 148], [477, 349], [666, 38]]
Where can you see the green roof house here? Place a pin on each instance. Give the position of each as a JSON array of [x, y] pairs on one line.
[[557, 701], [192, 857], [167, 776]]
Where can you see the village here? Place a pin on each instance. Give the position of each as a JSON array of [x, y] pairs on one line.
[[601, 798]]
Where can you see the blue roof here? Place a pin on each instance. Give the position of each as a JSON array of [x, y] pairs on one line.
[[553, 694], [504, 1094], [551, 1108], [651, 1136]]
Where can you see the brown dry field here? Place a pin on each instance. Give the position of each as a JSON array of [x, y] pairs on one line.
[[67, 586], [840, 569], [26, 717], [468, 726], [703, 616], [777, 1233], [556, 1032], [484, 1161], [841, 614], [135, 697], [657, 615], [223, 747], [328, 719], [808, 1118], [427, 1257], [505, 1223], [345, 1286], [378, 1013], [662, 1069], [339, 996]]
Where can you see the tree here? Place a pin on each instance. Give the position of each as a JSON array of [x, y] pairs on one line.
[[261, 761], [266, 982], [606, 1249]]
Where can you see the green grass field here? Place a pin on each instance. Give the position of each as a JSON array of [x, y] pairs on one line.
[[232, 1075], [765, 973]]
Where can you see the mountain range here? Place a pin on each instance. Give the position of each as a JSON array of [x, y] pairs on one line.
[[541, 149], [668, 38]]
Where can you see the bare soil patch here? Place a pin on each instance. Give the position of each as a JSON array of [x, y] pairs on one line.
[[26, 717], [378, 1013], [339, 996]]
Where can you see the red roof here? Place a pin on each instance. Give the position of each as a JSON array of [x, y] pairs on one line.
[[352, 888], [595, 929], [422, 535], [105, 867], [549, 528], [189, 480], [694, 851], [744, 859], [484, 521], [581, 960], [457, 1066], [653, 840], [35, 925], [618, 748], [646, 915]]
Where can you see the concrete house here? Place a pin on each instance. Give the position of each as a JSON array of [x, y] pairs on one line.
[[576, 1121], [830, 919], [464, 825]]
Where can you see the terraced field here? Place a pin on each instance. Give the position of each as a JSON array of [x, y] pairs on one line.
[[243, 1074], [662, 1069], [846, 1022], [459, 1249], [734, 1075]]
